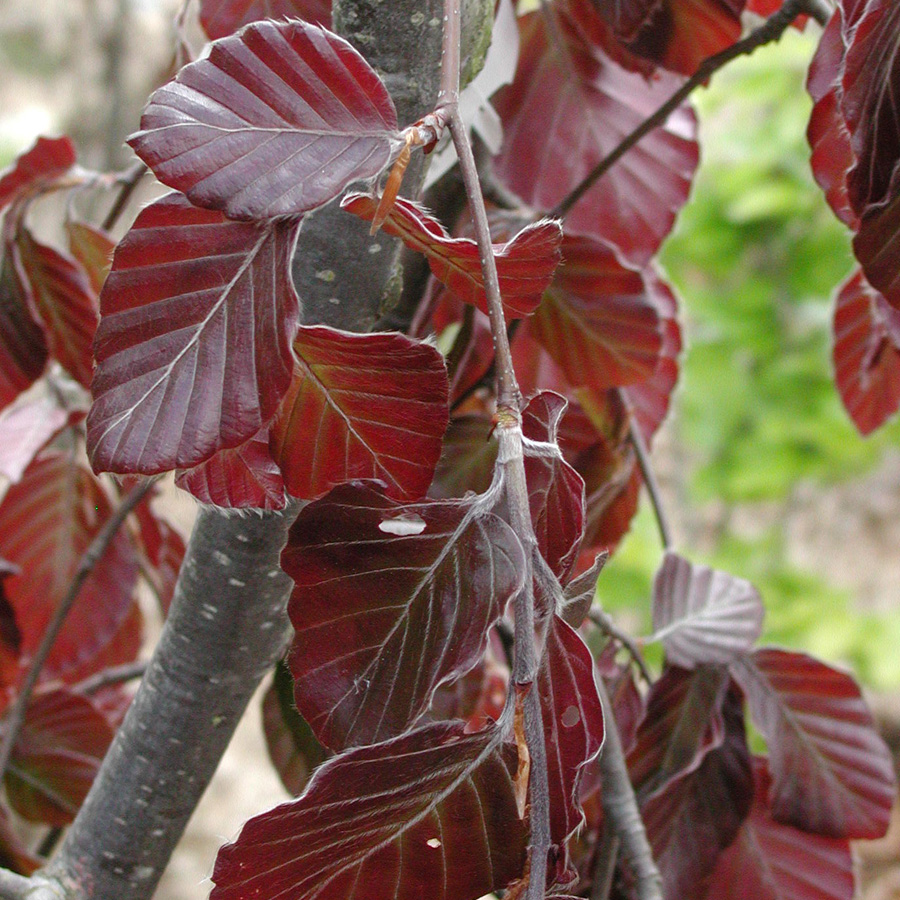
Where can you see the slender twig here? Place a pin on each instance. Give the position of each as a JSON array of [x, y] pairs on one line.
[[51, 839], [128, 182], [621, 809], [604, 622], [89, 560], [636, 439], [110, 676], [771, 30]]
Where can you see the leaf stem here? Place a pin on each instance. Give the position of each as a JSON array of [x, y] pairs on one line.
[[636, 439], [771, 30], [94, 553], [110, 676], [604, 622], [129, 181]]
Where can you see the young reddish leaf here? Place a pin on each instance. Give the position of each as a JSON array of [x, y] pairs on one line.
[[685, 32], [292, 746], [62, 295], [39, 166], [703, 615], [14, 852], [163, 552], [390, 600], [627, 17], [568, 107], [47, 522], [220, 18], [57, 754], [866, 354], [467, 458], [580, 592], [573, 723], [194, 345], [694, 817], [525, 263], [246, 476], [597, 321], [429, 814], [555, 489], [93, 249], [121, 648], [361, 406], [277, 121], [23, 347], [832, 773], [770, 861]]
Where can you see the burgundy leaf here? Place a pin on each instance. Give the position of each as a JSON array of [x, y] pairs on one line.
[[122, 647], [831, 771], [627, 16], [597, 321], [467, 458], [555, 489], [14, 852], [525, 263], [703, 615], [47, 521], [23, 347], [194, 345], [866, 354], [390, 600], [573, 722], [568, 107], [39, 166], [246, 476], [220, 18], [361, 406], [57, 754], [770, 861], [292, 746], [277, 121], [93, 249], [429, 814], [64, 299], [693, 818], [877, 247], [163, 552], [580, 592]]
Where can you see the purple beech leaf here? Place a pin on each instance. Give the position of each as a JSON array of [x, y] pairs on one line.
[[555, 489], [361, 406], [580, 592], [467, 458], [573, 723], [194, 345], [831, 771], [571, 103], [771, 861], [243, 477], [63, 740], [275, 122], [525, 263], [220, 18], [692, 818], [703, 615], [627, 17], [163, 552], [866, 354], [390, 601], [38, 167], [429, 814], [93, 248]]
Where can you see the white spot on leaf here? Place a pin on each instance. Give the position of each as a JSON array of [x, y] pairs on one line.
[[571, 716], [434, 843], [408, 523]]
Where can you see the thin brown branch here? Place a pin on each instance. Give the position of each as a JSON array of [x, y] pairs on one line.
[[128, 183], [621, 810], [771, 30], [112, 675], [94, 553], [604, 622], [636, 439]]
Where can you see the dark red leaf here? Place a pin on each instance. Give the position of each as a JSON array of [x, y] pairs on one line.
[[292, 746], [220, 18], [703, 615], [832, 773], [569, 106], [14, 852], [278, 120], [47, 522], [597, 321], [877, 247], [573, 723], [525, 263], [770, 861], [56, 757], [361, 406], [23, 347], [866, 354], [93, 249], [163, 551], [694, 817], [122, 647], [390, 600], [580, 592], [430, 814], [555, 489], [246, 476], [627, 16], [467, 458], [39, 166], [194, 346], [64, 299]]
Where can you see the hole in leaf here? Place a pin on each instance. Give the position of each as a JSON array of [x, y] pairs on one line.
[[434, 843], [409, 523], [571, 716]]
